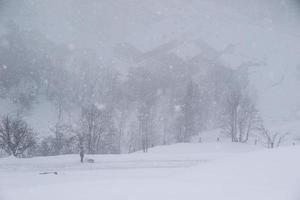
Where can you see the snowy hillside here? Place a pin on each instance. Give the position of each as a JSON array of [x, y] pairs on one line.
[[210, 171]]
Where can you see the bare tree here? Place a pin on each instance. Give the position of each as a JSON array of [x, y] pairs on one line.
[[16, 136], [241, 116], [190, 111], [144, 119], [272, 139], [90, 128], [97, 130], [63, 141], [248, 119]]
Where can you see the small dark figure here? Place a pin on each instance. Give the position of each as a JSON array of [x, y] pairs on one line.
[[81, 154]]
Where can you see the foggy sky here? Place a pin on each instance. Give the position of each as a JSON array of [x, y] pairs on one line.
[[262, 31]]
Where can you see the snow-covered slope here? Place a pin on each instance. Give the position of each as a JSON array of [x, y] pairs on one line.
[[227, 173], [177, 155]]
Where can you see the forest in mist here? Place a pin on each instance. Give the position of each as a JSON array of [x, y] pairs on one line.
[[115, 90]]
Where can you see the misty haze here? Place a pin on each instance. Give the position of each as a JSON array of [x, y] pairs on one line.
[[149, 99]]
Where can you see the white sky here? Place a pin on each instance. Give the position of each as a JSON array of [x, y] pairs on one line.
[[261, 31]]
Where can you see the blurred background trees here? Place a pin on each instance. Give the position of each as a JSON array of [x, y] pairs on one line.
[[159, 99]]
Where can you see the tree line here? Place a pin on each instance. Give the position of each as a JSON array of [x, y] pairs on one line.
[[159, 99]]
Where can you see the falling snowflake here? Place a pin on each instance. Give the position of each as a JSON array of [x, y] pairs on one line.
[[177, 108], [100, 106], [159, 12], [71, 46]]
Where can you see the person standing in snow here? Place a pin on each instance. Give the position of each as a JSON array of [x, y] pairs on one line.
[[81, 154]]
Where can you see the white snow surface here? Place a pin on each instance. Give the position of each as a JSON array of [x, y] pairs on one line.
[[182, 171]]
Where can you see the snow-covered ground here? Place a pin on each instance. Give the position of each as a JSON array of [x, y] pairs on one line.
[[181, 171]]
